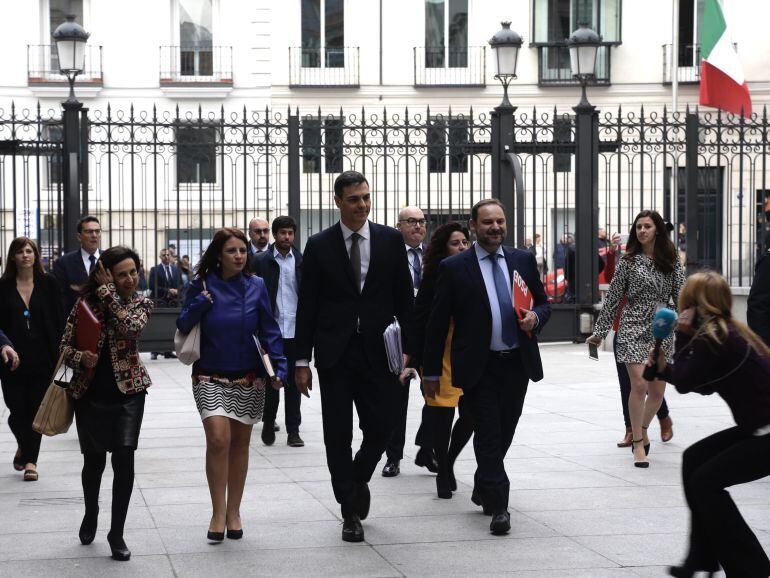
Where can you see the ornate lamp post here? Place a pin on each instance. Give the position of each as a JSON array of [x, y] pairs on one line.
[[71, 42], [583, 45], [505, 46]]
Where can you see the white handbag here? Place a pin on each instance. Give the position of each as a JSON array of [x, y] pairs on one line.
[[188, 345]]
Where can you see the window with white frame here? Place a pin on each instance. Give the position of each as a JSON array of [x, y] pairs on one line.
[[446, 33], [323, 33], [553, 21], [196, 46], [58, 10], [690, 19]]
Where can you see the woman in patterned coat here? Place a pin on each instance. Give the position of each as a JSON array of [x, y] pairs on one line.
[[232, 307], [109, 387], [650, 276]]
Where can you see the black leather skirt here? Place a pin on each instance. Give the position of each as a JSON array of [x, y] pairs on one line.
[[105, 425]]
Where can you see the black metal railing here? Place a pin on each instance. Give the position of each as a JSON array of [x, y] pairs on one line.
[[158, 177], [43, 65], [196, 65], [689, 59], [324, 67], [440, 67], [553, 65]]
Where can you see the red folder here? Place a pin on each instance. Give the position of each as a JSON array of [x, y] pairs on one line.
[[522, 297], [87, 330]]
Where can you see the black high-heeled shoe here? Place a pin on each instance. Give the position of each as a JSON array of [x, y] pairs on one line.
[[120, 551], [443, 489], [215, 536], [639, 464], [451, 476], [647, 445], [686, 572], [87, 531], [234, 534]]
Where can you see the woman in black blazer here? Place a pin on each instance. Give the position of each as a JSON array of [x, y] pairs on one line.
[[31, 316]]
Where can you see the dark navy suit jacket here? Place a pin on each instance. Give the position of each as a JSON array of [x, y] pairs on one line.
[[69, 269], [461, 296]]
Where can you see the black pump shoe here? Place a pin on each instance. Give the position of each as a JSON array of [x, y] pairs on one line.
[[215, 536], [443, 487], [686, 572], [87, 531], [120, 551], [234, 534]]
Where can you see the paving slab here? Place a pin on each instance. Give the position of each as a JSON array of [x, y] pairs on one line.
[[578, 506]]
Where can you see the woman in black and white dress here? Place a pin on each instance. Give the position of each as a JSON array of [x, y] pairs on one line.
[[650, 276], [232, 307]]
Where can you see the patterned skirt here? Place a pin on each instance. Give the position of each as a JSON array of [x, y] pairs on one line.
[[241, 399]]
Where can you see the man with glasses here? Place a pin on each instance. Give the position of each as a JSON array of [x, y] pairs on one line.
[[411, 225], [259, 235], [72, 269]]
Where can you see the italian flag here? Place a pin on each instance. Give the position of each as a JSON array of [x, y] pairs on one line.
[[722, 84]]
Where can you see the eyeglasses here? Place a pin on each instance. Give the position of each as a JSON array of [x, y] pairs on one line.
[[412, 222], [263, 231]]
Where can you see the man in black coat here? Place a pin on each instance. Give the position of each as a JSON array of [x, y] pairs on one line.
[[281, 269], [758, 313], [165, 287], [355, 280], [72, 269], [494, 355]]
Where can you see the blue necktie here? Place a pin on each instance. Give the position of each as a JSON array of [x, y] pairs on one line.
[[416, 267], [507, 315]]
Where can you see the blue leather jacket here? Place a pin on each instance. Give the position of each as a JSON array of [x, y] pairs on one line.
[[241, 309]]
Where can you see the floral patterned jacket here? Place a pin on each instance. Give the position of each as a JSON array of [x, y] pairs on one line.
[[122, 323]]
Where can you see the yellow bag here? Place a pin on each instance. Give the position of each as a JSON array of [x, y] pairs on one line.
[[54, 416]]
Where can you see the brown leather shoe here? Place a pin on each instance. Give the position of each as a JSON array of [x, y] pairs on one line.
[[666, 429], [626, 441]]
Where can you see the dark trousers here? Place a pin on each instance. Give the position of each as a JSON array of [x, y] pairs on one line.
[[718, 532], [374, 393], [495, 403], [291, 396], [22, 395], [625, 389], [450, 440], [395, 447]]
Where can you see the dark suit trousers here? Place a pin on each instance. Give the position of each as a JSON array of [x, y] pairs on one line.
[[718, 532], [495, 403], [22, 395], [374, 393], [291, 396], [395, 449]]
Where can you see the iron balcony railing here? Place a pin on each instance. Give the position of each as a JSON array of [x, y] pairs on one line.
[[43, 65], [553, 65], [196, 65], [439, 67], [324, 67], [688, 69]]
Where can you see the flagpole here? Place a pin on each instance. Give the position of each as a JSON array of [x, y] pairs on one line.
[[674, 198]]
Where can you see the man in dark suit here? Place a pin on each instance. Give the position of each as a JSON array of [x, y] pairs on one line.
[[355, 280], [758, 313], [412, 226], [493, 356], [72, 269], [281, 269], [165, 286]]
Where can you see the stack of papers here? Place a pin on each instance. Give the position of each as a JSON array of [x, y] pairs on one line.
[[395, 352]]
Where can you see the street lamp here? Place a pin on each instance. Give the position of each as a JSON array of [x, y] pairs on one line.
[[583, 45], [71, 39], [505, 46]]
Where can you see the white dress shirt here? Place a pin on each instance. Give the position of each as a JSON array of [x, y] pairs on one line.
[[286, 298], [256, 250], [364, 246], [86, 256]]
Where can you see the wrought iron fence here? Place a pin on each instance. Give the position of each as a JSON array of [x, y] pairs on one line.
[[160, 177]]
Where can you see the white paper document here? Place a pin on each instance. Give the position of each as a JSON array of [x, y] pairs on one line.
[[395, 352]]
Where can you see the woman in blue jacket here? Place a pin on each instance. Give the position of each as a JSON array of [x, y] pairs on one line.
[[232, 307]]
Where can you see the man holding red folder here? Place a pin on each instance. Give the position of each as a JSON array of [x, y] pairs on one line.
[[494, 349]]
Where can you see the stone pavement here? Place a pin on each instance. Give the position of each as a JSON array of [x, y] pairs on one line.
[[578, 506]]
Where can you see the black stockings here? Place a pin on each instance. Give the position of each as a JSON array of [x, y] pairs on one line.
[[122, 485]]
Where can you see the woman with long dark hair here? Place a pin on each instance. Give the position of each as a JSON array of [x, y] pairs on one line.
[[233, 309], [32, 317], [650, 276], [715, 353], [109, 388], [449, 239]]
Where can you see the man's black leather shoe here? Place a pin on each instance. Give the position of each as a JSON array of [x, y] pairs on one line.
[[352, 530], [391, 469], [268, 433], [426, 459], [118, 548], [476, 499], [501, 523], [363, 500]]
